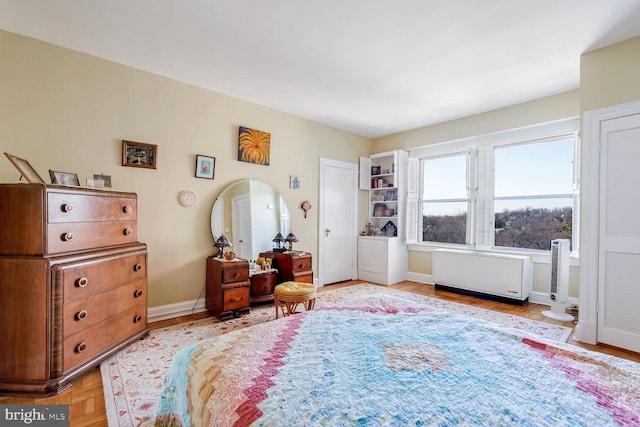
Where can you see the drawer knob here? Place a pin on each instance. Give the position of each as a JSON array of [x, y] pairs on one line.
[[81, 315], [137, 293], [127, 209], [81, 347], [236, 299], [236, 275], [137, 318], [82, 282], [68, 207], [137, 267], [67, 237], [127, 231]]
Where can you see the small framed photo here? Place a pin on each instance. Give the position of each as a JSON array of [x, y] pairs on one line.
[[26, 170], [139, 154], [390, 195], [64, 178], [106, 179], [205, 166]]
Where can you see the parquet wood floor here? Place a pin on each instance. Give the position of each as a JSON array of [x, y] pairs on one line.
[[86, 400]]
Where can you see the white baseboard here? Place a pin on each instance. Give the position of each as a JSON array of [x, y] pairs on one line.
[[420, 278], [177, 309]]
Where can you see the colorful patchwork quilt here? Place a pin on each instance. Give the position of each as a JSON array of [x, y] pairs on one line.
[[382, 361]]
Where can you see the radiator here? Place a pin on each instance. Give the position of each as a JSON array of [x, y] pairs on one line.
[[498, 275]]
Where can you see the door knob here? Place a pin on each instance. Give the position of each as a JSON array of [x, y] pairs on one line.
[[326, 232]]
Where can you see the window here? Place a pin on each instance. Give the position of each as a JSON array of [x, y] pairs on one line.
[[511, 191], [444, 202], [533, 194]]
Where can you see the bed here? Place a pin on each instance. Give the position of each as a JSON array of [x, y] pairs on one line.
[[380, 360]]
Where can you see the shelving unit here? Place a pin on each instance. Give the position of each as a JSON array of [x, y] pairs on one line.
[[382, 253]]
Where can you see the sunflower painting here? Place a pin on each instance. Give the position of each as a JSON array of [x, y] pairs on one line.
[[254, 146]]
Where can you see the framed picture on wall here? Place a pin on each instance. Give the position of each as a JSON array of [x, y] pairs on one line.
[[205, 166], [139, 154]]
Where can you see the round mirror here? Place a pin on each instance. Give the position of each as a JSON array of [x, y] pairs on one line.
[[249, 213]]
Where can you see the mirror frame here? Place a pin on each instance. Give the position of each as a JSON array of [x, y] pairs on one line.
[[264, 227]]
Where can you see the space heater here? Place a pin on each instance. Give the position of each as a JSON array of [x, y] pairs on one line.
[[559, 290]]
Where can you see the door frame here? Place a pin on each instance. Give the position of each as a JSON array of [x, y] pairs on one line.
[[324, 162], [587, 328]]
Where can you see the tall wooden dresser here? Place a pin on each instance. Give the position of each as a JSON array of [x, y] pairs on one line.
[[73, 283]]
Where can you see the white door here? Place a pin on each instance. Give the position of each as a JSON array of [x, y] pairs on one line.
[[338, 221], [619, 240], [241, 226]]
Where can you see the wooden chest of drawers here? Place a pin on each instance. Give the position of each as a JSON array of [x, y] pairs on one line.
[[73, 283], [296, 267], [227, 287]]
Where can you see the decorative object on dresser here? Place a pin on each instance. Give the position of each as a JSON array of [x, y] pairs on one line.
[[278, 243], [64, 178], [139, 154], [227, 287], [26, 170], [73, 280], [294, 266], [221, 243], [290, 239]]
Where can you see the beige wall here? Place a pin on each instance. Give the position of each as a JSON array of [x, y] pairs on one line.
[[542, 110], [610, 76], [69, 111]]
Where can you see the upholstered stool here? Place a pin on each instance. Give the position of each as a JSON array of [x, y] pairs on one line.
[[288, 295]]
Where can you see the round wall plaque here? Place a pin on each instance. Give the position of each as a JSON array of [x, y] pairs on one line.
[[188, 198]]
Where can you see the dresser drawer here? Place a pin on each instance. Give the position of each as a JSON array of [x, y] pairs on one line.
[[235, 274], [84, 313], [301, 263], [84, 278], [305, 277], [65, 207], [93, 341], [234, 299], [67, 237]]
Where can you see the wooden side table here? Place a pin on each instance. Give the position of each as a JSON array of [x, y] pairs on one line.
[[227, 287]]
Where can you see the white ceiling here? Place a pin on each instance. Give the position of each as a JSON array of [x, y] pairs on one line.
[[371, 67]]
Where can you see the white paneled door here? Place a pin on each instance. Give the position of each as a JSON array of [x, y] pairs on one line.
[[338, 221], [619, 240]]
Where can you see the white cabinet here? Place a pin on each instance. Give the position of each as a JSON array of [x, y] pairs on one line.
[[381, 260], [382, 256]]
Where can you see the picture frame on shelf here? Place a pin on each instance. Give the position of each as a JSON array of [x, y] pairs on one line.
[[390, 195], [205, 166], [64, 178], [379, 209], [139, 154], [26, 170]]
